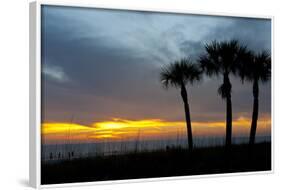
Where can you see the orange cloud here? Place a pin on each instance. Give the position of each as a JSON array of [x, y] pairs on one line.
[[122, 129]]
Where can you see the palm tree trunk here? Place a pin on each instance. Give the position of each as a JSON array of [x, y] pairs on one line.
[[228, 111], [228, 122], [187, 116], [255, 112]]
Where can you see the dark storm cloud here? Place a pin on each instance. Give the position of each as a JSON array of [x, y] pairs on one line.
[[100, 64], [255, 33]]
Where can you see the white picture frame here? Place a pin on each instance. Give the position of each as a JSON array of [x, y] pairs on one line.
[[35, 89]]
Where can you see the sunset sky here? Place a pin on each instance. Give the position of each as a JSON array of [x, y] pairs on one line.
[[100, 71]]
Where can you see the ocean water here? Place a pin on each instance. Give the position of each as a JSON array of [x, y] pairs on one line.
[[56, 152]]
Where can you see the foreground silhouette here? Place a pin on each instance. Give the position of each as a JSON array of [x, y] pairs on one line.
[[179, 74], [174, 161], [256, 68], [222, 58]]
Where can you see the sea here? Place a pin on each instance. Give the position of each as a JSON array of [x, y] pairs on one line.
[[56, 152]]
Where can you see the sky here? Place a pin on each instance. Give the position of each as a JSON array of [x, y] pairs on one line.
[[100, 71]]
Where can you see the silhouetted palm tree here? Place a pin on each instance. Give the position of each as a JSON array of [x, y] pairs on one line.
[[255, 68], [178, 75], [222, 58]]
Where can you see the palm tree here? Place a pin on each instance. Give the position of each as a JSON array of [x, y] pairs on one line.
[[221, 59], [255, 68], [178, 75]]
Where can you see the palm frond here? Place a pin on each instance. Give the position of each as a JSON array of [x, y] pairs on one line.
[[263, 63], [255, 66], [246, 58], [180, 72], [208, 65]]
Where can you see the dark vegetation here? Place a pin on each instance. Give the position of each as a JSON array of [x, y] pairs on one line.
[[174, 161], [220, 59], [179, 74]]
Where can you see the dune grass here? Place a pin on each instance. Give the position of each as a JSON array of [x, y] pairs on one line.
[[162, 163]]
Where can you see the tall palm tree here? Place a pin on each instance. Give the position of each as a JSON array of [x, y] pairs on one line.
[[178, 75], [255, 68], [221, 59]]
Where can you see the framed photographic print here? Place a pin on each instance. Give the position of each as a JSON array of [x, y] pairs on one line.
[[137, 94]]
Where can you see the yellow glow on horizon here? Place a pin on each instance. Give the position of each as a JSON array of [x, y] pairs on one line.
[[49, 128], [118, 123], [123, 129]]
